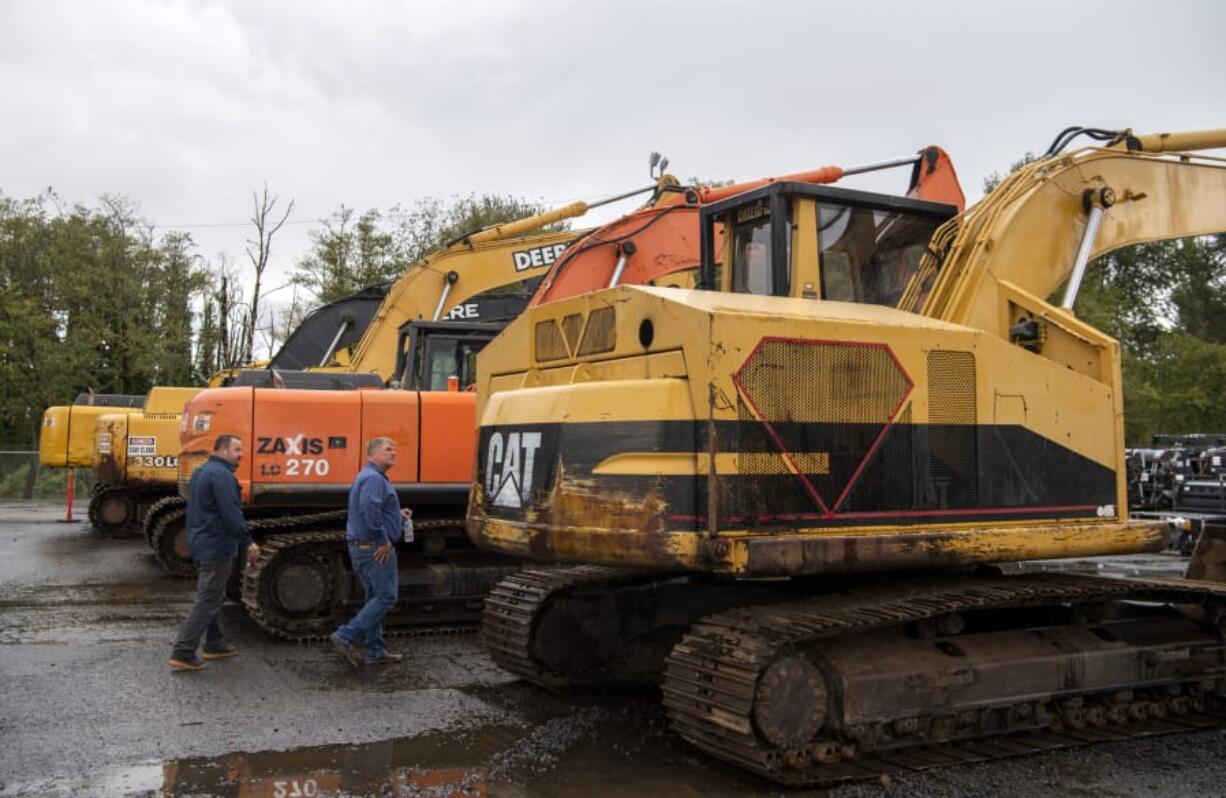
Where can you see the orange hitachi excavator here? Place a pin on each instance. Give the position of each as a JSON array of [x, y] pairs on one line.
[[303, 448]]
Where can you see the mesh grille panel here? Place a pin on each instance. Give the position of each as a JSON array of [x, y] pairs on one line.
[[823, 406], [823, 383], [951, 388], [953, 448]]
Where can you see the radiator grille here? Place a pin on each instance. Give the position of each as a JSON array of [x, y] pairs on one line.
[[822, 405], [572, 325], [822, 382]]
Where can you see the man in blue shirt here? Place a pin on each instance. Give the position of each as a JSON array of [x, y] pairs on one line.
[[216, 533], [374, 525]]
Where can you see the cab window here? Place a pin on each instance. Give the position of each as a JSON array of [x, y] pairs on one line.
[[868, 255], [752, 267], [450, 357]]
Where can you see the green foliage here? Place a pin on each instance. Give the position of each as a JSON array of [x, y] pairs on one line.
[[351, 253], [89, 298], [347, 255], [1166, 304], [993, 180]]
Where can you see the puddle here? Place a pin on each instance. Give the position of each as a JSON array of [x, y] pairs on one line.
[[617, 747], [1132, 566]]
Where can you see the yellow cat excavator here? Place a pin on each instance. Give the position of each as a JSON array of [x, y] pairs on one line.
[[789, 492]]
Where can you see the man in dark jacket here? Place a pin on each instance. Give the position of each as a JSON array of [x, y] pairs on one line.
[[216, 532], [374, 525]]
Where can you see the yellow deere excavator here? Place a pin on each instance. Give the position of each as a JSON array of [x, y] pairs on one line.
[[132, 453], [790, 492]]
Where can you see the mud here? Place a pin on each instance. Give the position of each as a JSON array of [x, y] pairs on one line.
[[88, 707]]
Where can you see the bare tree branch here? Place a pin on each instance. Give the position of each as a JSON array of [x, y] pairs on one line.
[[259, 251]]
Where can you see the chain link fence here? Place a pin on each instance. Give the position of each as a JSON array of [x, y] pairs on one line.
[[22, 478]]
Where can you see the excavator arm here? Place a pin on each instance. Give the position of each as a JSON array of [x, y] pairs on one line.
[[445, 283], [1047, 220]]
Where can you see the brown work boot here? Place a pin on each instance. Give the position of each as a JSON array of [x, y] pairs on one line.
[[220, 651], [387, 659], [346, 650], [192, 663]]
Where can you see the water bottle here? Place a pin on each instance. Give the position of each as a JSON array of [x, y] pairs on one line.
[[408, 529]]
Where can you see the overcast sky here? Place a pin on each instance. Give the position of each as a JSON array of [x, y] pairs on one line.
[[186, 107]]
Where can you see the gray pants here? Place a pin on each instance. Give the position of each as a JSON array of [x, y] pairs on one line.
[[202, 620]]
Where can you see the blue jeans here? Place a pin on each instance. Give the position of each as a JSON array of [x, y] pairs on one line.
[[380, 586]]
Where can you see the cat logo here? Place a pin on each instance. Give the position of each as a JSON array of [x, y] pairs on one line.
[[511, 484]]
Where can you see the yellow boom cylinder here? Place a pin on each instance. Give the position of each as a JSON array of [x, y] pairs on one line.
[[519, 226], [1183, 141]]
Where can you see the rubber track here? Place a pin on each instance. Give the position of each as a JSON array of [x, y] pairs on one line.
[[94, 513], [283, 523], [162, 529], [155, 511], [136, 497], [711, 676], [513, 603], [285, 542]]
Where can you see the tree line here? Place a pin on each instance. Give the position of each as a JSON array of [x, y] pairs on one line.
[[94, 297]]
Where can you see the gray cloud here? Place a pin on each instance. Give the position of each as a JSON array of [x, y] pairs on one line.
[[186, 107]]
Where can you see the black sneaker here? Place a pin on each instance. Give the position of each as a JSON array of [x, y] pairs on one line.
[[346, 650], [220, 651], [192, 663]]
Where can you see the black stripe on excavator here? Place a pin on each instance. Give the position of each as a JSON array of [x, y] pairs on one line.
[[919, 474]]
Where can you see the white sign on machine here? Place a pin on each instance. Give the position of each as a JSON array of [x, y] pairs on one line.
[[142, 444]]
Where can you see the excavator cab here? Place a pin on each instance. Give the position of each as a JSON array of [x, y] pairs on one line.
[[432, 354], [817, 242]]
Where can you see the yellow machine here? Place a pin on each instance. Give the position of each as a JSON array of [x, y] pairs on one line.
[[66, 439], [792, 490], [133, 454]]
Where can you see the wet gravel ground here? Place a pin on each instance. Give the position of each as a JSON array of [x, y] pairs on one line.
[[88, 707]]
